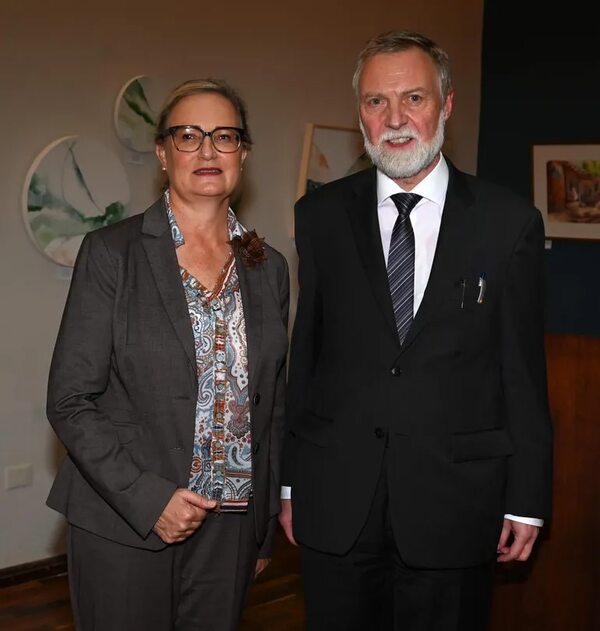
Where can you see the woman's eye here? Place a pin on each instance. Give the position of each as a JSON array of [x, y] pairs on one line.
[[187, 137]]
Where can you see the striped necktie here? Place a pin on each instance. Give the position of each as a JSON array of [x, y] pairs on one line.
[[401, 263]]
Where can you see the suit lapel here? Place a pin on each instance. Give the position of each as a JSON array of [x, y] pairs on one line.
[[251, 290], [362, 211], [453, 251], [160, 250]]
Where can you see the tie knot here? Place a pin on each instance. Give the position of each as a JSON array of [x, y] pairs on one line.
[[405, 202]]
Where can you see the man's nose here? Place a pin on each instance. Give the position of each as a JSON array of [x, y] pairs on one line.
[[396, 116]]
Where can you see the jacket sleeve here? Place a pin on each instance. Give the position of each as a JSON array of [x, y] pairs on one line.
[[278, 418], [79, 375], [305, 337], [524, 376]]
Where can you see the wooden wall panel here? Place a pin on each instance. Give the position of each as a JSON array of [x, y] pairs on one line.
[[559, 588]]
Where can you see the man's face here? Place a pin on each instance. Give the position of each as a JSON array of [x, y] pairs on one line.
[[402, 115]]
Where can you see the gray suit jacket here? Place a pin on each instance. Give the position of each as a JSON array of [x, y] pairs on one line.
[[122, 388]]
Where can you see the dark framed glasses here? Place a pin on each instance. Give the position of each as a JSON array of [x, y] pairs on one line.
[[189, 138]]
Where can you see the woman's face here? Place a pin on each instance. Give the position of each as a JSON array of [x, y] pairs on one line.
[[205, 172]]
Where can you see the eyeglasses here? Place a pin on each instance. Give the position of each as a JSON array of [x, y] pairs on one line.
[[189, 138]]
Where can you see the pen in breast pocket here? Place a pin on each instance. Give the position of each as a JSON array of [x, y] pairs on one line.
[[463, 285], [481, 284]]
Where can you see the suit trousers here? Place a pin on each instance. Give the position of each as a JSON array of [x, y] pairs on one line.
[[370, 587], [200, 584]]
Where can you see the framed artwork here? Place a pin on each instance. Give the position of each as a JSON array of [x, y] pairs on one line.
[[566, 189], [74, 186], [330, 153], [136, 113]]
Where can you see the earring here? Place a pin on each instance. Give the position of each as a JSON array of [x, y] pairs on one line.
[[163, 167]]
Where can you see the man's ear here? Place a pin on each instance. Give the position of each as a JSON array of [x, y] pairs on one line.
[[448, 105]]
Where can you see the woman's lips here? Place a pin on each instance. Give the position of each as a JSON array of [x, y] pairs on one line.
[[212, 171]]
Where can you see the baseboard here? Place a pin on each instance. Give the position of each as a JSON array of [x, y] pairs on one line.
[[33, 571]]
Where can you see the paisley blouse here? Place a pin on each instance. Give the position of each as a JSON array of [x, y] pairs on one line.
[[222, 455]]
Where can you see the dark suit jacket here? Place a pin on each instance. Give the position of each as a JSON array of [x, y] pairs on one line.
[[122, 388], [462, 405]]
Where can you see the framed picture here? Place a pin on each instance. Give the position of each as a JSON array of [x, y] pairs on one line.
[[329, 153], [566, 189]]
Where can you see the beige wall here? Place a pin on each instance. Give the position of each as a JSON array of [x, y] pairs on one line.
[[61, 66]]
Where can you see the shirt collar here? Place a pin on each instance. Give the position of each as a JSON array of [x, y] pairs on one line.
[[234, 227], [433, 187]]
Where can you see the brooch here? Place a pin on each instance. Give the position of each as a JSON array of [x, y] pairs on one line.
[[250, 247]]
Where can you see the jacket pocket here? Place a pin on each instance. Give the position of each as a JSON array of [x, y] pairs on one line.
[[491, 443]]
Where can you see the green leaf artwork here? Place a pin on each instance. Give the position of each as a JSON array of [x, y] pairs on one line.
[[74, 186], [135, 117]]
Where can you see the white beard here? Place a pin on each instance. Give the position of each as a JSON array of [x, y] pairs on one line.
[[406, 163]]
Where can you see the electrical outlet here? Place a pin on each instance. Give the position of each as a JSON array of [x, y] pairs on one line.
[[18, 475]]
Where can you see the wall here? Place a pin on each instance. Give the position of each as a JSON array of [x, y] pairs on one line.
[[557, 589], [61, 66], [539, 86]]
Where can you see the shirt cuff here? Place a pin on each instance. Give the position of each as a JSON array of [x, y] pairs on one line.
[[286, 493], [532, 521]]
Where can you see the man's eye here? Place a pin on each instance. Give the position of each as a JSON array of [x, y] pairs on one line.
[[415, 98], [374, 101]]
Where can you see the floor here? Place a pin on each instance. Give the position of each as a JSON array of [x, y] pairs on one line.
[[275, 601]]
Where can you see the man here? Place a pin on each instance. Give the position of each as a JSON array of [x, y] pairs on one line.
[[419, 443]]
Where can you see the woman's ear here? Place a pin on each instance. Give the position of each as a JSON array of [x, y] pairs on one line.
[[159, 149]]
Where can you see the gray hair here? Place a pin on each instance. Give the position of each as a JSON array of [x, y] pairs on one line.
[[397, 41]]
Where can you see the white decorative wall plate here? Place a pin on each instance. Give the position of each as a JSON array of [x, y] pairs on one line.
[[74, 186], [136, 112]]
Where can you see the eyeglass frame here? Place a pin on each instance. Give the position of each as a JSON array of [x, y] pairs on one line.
[[171, 132]]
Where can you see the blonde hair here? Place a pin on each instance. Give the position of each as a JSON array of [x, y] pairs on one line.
[[203, 86]]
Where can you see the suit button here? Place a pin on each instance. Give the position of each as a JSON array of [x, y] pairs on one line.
[[379, 432], [255, 448], [256, 399], [396, 371]]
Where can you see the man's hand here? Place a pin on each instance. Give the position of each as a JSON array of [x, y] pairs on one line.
[[285, 519], [261, 564], [523, 538], [182, 516]]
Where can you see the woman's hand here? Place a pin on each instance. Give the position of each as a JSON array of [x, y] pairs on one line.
[[182, 516]]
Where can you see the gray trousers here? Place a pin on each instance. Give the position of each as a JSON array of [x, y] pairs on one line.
[[198, 585]]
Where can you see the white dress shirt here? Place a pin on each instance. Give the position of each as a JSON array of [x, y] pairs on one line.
[[426, 219]]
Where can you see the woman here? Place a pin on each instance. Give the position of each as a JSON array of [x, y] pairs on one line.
[[166, 389]]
